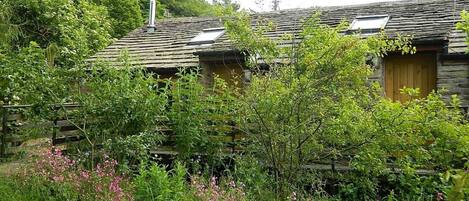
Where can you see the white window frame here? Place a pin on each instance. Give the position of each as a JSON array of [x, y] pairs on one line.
[[369, 30], [199, 39]]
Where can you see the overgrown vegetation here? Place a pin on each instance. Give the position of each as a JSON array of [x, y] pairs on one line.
[[464, 24], [314, 107], [78, 29], [318, 106]]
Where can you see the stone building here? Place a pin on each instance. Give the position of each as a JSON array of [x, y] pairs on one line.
[[440, 62]]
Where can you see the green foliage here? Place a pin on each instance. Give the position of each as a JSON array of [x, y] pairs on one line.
[[200, 117], [118, 103], [459, 188], [125, 15], [357, 187], [188, 8], [420, 134], [464, 24], [133, 149], [124, 101], [315, 104], [156, 183], [8, 31], [257, 181], [35, 188], [145, 8], [312, 108], [78, 28], [97, 24], [27, 78]]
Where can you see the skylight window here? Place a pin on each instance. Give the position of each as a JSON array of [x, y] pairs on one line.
[[207, 36], [369, 24]]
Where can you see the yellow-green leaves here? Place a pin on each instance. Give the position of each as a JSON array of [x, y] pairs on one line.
[[464, 24]]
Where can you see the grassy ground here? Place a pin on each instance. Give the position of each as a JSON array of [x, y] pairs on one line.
[[23, 155]]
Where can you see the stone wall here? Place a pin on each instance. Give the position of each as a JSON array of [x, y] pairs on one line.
[[453, 75]]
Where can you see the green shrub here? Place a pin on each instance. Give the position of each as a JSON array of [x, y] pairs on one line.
[[316, 105], [35, 188], [156, 183], [200, 116], [118, 103], [79, 28], [256, 180], [319, 106], [420, 134], [458, 187], [464, 25], [28, 78]]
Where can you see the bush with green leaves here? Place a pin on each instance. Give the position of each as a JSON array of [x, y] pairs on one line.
[[255, 178], [30, 77], [318, 106], [459, 184], [122, 101], [464, 24], [420, 134], [315, 106], [125, 15], [78, 28], [122, 106], [156, 183], [200, 117], [412, 144], [188, 8]]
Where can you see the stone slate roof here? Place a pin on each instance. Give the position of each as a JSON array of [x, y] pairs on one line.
[[431, 21]]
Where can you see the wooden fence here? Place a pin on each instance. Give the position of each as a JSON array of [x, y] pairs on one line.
[[63, 131], [57, 126], [60, 128]]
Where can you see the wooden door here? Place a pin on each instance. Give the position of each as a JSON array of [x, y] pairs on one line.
[[412, 71]]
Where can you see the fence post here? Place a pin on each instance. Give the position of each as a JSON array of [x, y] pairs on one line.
[[233, 141], [333, 165], [5, 131], [55, 131]]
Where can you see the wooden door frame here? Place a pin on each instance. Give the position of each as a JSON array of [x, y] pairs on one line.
[[433, 51]]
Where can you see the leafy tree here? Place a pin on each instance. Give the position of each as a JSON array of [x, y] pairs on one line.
[[227, 3], [188, 8], [78, 28], [145, 6], [315, 105], [8, 31], [28, 77], [125, 15], [275, 4]]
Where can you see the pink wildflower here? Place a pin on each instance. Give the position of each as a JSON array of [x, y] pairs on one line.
[[440, 197]]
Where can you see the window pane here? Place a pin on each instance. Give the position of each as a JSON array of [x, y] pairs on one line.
[[373, 22], [207, 36]]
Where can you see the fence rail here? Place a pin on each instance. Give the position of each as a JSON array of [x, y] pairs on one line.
[[14, 120], [63, 131]]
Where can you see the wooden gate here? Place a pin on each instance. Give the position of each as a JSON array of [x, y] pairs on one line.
[[412, 71]]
